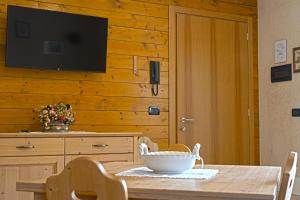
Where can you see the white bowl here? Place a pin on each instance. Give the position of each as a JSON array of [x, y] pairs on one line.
[[169, 161]]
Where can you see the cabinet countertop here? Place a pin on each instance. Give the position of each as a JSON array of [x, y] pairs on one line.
[[68, 134]]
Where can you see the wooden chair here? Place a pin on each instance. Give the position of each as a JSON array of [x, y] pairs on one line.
[[84, 175], [151, 145], [173, 147], [288, 177], [163, 147]]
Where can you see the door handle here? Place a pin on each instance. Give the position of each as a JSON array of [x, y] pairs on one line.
[[186, 120], [182, 129]]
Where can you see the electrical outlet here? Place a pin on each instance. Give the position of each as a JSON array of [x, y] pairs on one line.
[[153, 110]]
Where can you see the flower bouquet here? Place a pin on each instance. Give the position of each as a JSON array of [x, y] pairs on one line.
[[56, 117]]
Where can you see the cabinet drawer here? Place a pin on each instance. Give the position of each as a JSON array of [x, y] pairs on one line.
[[96, 145], [104, 158], [31, 146]]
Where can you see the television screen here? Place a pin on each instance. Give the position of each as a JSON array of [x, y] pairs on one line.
[[54, 40]]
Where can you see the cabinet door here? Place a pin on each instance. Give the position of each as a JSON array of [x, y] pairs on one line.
[[13, 169]]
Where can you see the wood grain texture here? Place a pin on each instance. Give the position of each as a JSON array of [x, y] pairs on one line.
[[84, 117], [127, 6], [48, 86], [70, 134], [112, 75], [101, 145], [244, 7], [288, 177], [254, 95], [26, 156], [115, 18], [232, 182], [212, 68], [130, 48], [118, 33], [96, 179], [104, 158], [31, 146], [136, 28], [13, 169], [114, 61], [155, 132], [29, 101]]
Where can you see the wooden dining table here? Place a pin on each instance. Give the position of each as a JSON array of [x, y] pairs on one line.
[[231, 183]]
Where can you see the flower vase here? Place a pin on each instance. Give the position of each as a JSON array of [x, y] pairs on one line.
[[56, 127]]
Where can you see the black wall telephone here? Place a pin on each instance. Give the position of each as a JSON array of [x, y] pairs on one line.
[[155, 76]]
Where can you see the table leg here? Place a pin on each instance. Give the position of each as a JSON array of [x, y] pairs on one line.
[[39, 196]]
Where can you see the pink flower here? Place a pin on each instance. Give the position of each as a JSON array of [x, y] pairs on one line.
[[61, 118]]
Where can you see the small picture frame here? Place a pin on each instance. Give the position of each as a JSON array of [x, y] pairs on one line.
[[280, 51], [296, 60]]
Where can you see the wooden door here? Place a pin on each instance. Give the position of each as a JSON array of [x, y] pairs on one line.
[[213, 87], [13, 169]]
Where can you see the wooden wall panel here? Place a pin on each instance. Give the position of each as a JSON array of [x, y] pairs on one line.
[[84, 117], [29, 101], [114, 61], [138, 35], [2, 36], [116, 33], [48, 86], [244, 7], [117, 100], [112, 75], [137, 48], [126, 6], [155, 132], [115, 18], [129, 48], [125, 61], [2, 20]]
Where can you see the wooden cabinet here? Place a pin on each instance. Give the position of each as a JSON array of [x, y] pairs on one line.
[[99, 145], [38, 155], [104, 158], [13, 169], [31, 146]]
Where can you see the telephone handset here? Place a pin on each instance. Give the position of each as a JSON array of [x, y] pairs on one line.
[[155, 76]]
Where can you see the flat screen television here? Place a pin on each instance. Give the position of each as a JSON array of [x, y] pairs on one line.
[[55, 40]]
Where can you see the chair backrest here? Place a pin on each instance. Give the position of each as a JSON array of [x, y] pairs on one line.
[[288, 177], [85, 175], [173, 147], [162, 146], [151, 145]]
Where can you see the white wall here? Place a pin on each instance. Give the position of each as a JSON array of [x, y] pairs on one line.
[[279, 132]]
